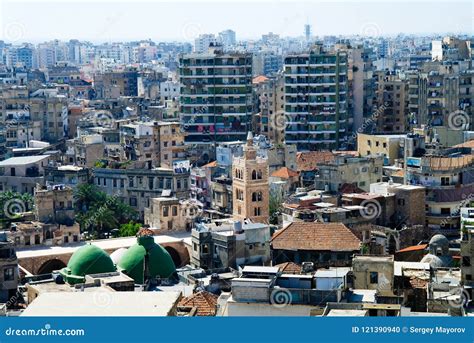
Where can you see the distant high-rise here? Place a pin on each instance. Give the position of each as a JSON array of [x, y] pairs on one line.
[[203, 42], [227, 38], [307, 32]]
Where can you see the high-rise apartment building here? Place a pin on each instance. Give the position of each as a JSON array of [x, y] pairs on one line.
[[316, 99], [216, 96], [203, 42], [392, 103], [227, 38]]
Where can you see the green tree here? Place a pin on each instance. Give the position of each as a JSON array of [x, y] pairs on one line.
[[99, 213], [274, 206], [129, 229]]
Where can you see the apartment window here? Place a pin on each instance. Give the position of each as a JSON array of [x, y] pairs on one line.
[[401, 202], [130, 182], [257, 211], [446, 211], [377, 143], [374, 277], [114, 183], [445, 181], [9, 274], [133, 202], [165, 211], [122, 183], [174, 211], [195, 247]]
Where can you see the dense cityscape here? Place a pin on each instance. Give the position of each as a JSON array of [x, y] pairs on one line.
[[279, 176]]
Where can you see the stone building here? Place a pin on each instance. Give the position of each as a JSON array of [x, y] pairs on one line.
[[250, 185], [170, 213], [54, 204], [230, 244], [8, 270], [373, 272]]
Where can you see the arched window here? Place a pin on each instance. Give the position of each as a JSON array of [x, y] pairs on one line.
[[259, 175], [259, 196], [254, 196], [254, 175]]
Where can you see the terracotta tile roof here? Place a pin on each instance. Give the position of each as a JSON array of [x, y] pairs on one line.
[[205, 303], [259, 79], [468, 144], [307, 161], [285, 173], [399, 173], [316, 236], [350, 188], [414, 248], [210, 164], [145, 232], [416, 282], [289, 268]]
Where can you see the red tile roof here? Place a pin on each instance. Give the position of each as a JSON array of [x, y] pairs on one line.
[[316, 236], [308, 161], [468, 144], [350, 188], [285, 173], [205, 303], [289, 268], [259, 79], [414, 248]]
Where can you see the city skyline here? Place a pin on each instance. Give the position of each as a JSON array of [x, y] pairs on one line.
[[184, 21]]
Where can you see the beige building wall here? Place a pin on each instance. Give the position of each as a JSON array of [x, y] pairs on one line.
[[250, 187]]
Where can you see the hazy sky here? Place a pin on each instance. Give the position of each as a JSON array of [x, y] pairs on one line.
[[104, 20]]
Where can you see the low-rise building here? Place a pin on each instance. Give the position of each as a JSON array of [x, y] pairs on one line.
[[9, 276], [359, 171], [22, 174], [328, 244], [225, 244], [54, 204]]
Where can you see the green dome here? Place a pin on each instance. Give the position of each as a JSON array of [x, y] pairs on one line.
[[158, 261], [89, 259]]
